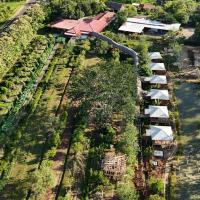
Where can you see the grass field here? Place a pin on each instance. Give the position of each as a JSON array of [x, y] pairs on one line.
[[188, 177], [14, 6]]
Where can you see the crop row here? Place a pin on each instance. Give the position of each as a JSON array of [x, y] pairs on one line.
[[21, 80]]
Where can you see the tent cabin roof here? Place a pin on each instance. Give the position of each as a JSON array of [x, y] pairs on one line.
[[156, 79], [158, 94], [161, 133], [157, 111], [157, 66], [154, 55]]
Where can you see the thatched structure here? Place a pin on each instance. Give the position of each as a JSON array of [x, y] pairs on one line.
[[114, 166]]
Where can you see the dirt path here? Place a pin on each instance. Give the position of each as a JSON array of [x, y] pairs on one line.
[[62, 151], [59, 159]]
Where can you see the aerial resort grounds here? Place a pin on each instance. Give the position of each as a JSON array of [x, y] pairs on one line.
[[99, 100]]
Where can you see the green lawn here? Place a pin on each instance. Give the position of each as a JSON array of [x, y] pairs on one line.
[[13, 7], [188, 177]]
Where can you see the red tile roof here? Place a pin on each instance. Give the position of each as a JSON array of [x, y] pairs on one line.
[[85, 25]]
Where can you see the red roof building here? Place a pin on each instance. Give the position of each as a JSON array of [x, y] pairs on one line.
[[84, 26]]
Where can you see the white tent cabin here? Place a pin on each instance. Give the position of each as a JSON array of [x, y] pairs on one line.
[[158, 68], [160, 134], [155, 57], [157, 114], [158, 81], [156, 95]]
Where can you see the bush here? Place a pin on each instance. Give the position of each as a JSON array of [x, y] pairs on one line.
[[156, 185], [156, 197], [127, 192], [173, 182]]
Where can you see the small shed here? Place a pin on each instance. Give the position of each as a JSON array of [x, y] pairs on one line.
[[114, 165]]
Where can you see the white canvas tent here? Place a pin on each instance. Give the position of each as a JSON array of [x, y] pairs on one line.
[[156, 79], [161, 133], [157, 111], [158, 94], [157, 67], [154, 55]]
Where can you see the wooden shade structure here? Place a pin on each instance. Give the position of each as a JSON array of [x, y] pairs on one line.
[[114, 166]]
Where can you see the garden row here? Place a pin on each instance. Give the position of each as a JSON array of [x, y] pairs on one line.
[[37, 137], [21, 81]]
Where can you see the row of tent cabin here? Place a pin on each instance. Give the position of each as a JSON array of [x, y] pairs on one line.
[[159, 131]]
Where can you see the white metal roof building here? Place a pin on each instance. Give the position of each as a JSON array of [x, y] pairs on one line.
[[158, 94], [136, 25], [161, 133], [154, 55], [157, 112], [157, 67], [156, 79]]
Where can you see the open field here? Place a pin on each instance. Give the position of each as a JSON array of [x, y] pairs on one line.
[[189, 175]]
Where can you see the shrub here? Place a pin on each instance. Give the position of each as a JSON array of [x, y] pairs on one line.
[[156, 197], [156, 185], [127, 192]]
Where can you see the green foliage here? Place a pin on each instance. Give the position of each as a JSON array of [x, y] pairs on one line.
[[41, 179], [196, 36], [35, 100], [73, 8], [106, 135], [144, 59], [105, 88], [172, 185], [128, 143], [4, 12], [98, 181], [102, 47], [127, 192], [148, 152], [175, 11], [156, 185], [33, 62], [181, 10], [17, 38], [156, 197]]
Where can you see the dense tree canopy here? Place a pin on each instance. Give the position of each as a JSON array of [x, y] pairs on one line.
[[74, 9], [105, 89]]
